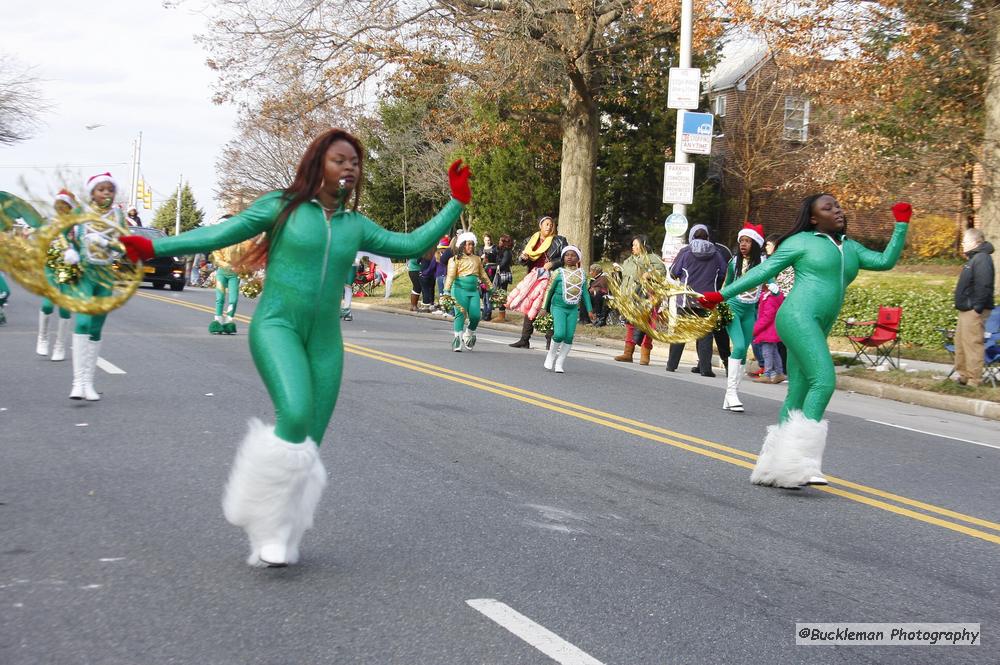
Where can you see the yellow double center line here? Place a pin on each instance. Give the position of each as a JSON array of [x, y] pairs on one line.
[[838, 486]]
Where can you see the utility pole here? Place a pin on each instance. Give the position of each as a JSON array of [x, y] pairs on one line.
[[405, 229], [134, 175], [177, 216], [680, 157]]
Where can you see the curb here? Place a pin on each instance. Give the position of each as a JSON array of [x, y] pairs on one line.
[[971, 407]]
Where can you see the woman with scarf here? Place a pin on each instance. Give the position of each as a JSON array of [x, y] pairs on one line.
[[826, 261], [541, 254]]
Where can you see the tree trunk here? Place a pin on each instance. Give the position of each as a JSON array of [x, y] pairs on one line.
[[580, 125], [989, 212]]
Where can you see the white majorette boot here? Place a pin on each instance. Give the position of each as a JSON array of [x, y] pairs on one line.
[[272, 493], [456, 343], [42, 347], [734, 372], [550, 357], [80, 346], [564, 349], [59, 346], [792, 455], [469, 339], [90, 368]]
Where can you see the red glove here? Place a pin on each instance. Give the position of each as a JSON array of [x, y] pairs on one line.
[[902, 212], [710, 300], [458, 178], [138, 248]]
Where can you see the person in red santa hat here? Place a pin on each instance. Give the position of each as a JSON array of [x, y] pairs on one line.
[[64, 204], [750, 243]]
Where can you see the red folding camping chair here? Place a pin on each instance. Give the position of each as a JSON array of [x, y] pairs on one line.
[[882, 339]]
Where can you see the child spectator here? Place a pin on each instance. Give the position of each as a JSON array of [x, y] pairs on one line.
[[765, 334]]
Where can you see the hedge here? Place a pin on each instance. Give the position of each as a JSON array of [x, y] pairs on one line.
[[924, 310]]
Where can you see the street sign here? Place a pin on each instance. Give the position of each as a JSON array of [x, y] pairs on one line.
[[696, 133], [675, 224], [684, 88], [678, 183]]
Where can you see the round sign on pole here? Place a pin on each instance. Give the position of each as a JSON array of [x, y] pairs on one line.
[[676, 224]]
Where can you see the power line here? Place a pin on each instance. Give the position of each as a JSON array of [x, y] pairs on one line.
[[63, 166]]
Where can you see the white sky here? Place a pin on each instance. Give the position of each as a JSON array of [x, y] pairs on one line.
[[129, 65]]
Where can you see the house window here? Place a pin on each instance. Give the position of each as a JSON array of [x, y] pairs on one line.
[[796, 119], [720, 106]]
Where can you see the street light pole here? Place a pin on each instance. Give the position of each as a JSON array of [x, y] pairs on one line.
[[687, 18], [177, 216]]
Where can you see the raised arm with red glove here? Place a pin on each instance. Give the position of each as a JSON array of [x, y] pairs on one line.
[[902, 212], [710, 300], [458, 179]]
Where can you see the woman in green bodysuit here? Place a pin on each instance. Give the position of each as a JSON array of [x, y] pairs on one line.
[[567, 288], [295, 337], [825, 262]]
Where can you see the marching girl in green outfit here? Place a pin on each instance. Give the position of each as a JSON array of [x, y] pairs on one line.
[[313, 233], [750, 240], [562, 299], [65, 203], [4, 294], [92, 249], [227, 292], [465, 274], [825, 261]]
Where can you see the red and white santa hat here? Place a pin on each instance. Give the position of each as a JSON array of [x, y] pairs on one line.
[[96, 180], [753, 231], [66, 197]]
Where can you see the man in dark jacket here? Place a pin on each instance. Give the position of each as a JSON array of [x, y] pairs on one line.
[[700, 265], [974, 302]]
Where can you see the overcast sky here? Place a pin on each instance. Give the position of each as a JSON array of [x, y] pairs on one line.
[[131, 66]]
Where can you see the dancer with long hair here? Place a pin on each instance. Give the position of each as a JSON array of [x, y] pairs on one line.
[[825, 262], [750, 242], [314, 231]]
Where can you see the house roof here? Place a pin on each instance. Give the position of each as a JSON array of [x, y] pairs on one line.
[[737, 61]]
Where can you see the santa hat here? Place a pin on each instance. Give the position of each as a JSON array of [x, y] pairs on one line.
[[753, 231], [464, 238], [66, 197], [444, 242], [98, 179], [571, 248]]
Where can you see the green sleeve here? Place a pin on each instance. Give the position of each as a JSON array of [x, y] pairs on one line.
[[556, 279], [586, 299], [377, 240], [256, 219], [871, 260], [787, 253]]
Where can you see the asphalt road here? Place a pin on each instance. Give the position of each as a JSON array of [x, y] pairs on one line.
[[607, 511]]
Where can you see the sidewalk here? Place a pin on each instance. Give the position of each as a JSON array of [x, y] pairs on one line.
[[658, 357]]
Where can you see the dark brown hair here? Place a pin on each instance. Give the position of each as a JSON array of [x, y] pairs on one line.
[[506, 241], [307, 184]]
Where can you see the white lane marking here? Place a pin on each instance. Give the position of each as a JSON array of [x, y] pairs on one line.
[[112, 559], [943, 436], [108, 367], [537, 636]]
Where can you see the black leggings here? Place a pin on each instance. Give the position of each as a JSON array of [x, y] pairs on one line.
[[427, 290], [415, 288]]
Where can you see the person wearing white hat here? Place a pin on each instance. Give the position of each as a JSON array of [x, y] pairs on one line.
[[92, 248], [567, 288], [64, 204], [465, 273], [744, 309]]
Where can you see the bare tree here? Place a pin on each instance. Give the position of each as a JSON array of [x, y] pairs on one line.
[[21, 102]]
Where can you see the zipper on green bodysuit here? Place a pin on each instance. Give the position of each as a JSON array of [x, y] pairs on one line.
[[326, 255]]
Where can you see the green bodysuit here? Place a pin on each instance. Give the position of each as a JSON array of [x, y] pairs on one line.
[[823, 270], [295, 337]]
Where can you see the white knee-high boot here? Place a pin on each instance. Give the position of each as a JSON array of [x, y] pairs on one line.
[[734, 372], [80, 346], [42, 347], [550, 357], [564, 350], [90, 368], [792, 455], [59, 346], [272, 493]]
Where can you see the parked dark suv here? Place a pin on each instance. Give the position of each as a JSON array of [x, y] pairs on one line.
[[162, 270]]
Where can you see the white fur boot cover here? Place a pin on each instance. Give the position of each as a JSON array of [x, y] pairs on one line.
[[266, 489], [792, 452], [312, 490]]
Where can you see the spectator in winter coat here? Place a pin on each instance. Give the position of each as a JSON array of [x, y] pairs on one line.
[[702, 266], [974, 302], [766, 334]]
